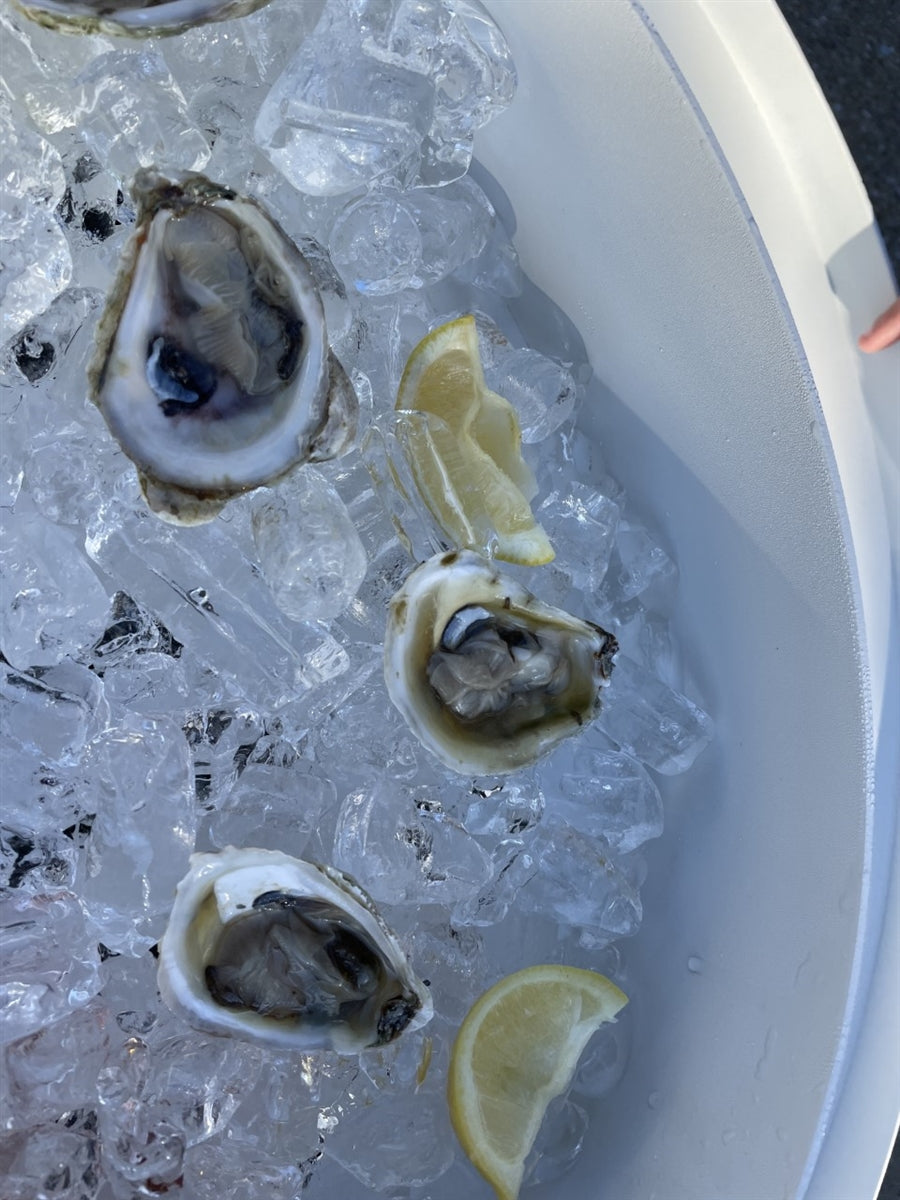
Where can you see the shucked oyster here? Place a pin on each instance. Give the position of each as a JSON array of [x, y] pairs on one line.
[[212, 366], [135, 18], [284, 952], [486, 676]]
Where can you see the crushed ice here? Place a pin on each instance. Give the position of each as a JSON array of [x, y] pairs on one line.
[[165, 690]]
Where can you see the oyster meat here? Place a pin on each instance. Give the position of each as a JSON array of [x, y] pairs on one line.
[[272, 949], [212, 367], [487, 676], [134, 18]]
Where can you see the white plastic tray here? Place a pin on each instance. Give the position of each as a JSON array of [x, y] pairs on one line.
[[683, 192]]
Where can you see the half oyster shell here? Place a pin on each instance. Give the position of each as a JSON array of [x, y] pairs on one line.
[[212, 367], [283, 952], [134, 18], [486, 676]]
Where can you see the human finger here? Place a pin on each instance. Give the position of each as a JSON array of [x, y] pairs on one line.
[[884, 332]]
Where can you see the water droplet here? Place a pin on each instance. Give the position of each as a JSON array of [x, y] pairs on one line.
[[695, 964], [653, 1100], [728, 1135]]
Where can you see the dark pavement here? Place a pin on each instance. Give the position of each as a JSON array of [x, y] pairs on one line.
[[853, 46]]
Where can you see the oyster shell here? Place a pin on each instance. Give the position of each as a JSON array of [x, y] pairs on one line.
[[487, 676], [272, 949], [212, 367], [134, 18]]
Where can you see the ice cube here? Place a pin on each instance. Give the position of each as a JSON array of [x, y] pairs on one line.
[[274, 807], [376, 244], [579, 883], [141, 780], [50, 714], [453, 960], [309, 551], [403, 1139], [542, 391], [649, 720], [132, 112], [585, 521], [503, 809], [514, 865], [50, 1160], [455, 222], [203, 584], [55, 1068], [35, 861], [605, 795], [36, 261], [49, 961], [52, 602], [332, 130], [462, 51], [402, 849], [392, 442], [252, 1173], [605, 1057], [637, 564], [558, 1143]]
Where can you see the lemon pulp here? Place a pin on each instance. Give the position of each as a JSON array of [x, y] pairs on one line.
[[467, 461], [517, 1048]]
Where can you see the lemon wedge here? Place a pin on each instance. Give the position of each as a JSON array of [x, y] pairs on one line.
[[517, 1048], [467, 463]]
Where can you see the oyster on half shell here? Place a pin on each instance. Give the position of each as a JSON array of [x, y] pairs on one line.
[[134, 18], [212, 367], [487, 676], [283, 952]]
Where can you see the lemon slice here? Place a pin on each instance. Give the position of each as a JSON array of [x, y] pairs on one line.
[[517, 1048], [468, 463]]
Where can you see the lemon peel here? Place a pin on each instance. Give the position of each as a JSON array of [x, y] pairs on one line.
[[517, 1048], [467, 463]]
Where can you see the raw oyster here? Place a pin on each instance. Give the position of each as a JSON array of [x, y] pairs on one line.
[[212, 366], [485, 675], [134, 18], [272, 949]]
